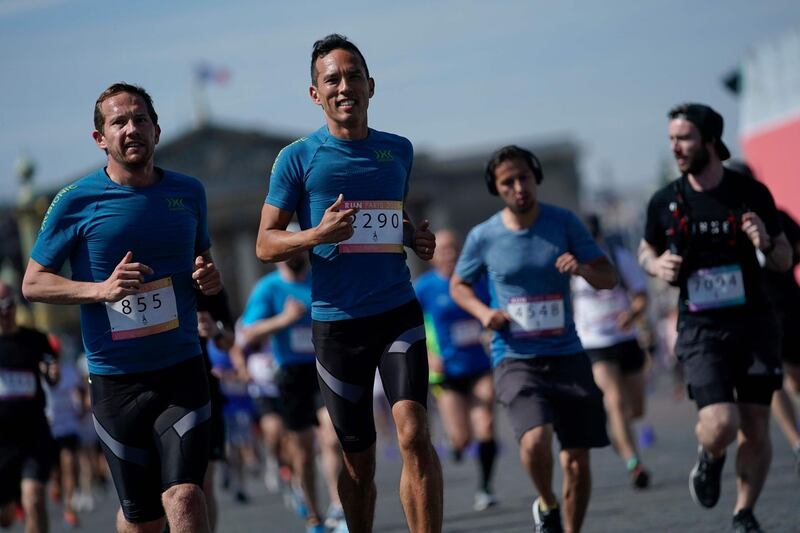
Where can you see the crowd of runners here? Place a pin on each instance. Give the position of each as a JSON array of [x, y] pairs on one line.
[[535, 310]]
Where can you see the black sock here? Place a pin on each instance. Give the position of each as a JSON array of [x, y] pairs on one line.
[[487, 451]]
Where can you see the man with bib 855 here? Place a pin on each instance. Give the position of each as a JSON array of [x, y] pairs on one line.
[[702, 233], [347, 182], [137, 242], [529, 251]]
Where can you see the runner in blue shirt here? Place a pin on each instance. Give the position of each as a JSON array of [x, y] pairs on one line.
[[347, 182], [137, 242], [460, 369], [529, 251], [279, 309]]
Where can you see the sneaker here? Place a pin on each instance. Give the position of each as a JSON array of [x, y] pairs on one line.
[[241, 497], [483, 500], [704, 480], [297, 502], [70, 519], [316, 528], [334, 516], [546, 521], [640, 478], [341, 527], [745, 522], [272, 479]]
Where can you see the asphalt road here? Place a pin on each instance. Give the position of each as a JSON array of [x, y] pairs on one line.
[[615, 506]]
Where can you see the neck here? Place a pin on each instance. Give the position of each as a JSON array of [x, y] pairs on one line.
[[132, 177], [349, 132], [708, 178], [518, 221]]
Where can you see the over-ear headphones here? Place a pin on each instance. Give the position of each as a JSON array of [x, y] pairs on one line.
[[510, 152]]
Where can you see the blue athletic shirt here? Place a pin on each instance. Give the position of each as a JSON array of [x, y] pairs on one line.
[[521, 266], [307, 177], [452, 333], [93, 223], [292, 345]]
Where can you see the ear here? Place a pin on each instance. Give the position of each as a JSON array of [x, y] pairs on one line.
[[99, 140], [158, 133], [371, 87], [314, 94]]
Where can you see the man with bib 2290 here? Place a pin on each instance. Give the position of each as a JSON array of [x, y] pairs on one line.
[[702, 233], [347, 182], [529, 250], [137, 242]]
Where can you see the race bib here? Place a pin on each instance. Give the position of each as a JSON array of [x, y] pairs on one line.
[[465, 333], [300, 340], [153, 310], [378, 227], [536, 316], [712, 288], [17, 384]]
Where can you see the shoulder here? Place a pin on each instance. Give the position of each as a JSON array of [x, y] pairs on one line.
[[557, 213], [424, 280], [33, 334], [183, 181], [397, 142], [300, 149]]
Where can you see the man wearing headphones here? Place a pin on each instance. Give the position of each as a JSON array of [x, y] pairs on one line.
[[529, 250]]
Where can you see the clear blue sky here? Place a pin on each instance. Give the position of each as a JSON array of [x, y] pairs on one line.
[[453, 76]]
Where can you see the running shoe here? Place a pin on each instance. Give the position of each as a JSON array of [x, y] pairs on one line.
[[745, 522], [704, 480], [640, 478], [70, 519], [483, 500], [334, 516], [546, 521], [272, 478], [341, 527], [316, 528]]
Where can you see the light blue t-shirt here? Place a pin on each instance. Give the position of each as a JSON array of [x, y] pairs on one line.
[[307, 177], [93, 223], [453, 333], [292, 345], [524, 280]]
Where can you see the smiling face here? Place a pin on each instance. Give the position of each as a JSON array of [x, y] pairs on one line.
[[690, 152], [343, 90], [129, 135], [516, 185]]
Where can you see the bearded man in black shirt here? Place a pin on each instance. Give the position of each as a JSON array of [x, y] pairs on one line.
[[701, 234]]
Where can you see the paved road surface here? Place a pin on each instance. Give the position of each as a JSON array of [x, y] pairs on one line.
[[615, 507]]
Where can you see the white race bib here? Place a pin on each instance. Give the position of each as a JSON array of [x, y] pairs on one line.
[[378, 227], [465, 333], [17, 384], [153, 310], [300, 339], [601, 308], [536, 316], [712, 288]]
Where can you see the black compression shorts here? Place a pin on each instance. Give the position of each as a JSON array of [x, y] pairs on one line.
[[349, 351], [27, 451], [300, 395], [154, 429], [627, 355]]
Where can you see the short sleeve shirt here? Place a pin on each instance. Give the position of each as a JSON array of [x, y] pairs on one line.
[[292, 345], [21, 392], [704, 227], [308, 176], [520, 266], [93, 223], [452, 333]]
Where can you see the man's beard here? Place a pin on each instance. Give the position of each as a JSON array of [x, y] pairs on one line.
[[699, 161]]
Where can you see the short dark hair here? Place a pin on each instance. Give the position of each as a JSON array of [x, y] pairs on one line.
[[511, 152], [328, 44], [707, 121], [117, 88]]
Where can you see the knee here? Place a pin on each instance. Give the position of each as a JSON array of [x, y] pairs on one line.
[[576, 463], [412, 431], [183, 498], [721, 430], [534, 443], [32, 496]]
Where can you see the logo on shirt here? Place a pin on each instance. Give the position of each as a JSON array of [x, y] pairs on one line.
[[384, 155], [58, 197], [175, 204]]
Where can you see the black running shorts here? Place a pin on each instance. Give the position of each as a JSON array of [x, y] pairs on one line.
[[154, 429], [462, 385], [300, 395], [27, 451], [558, 390], [349, 352], [730, 364], [628, 355]]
